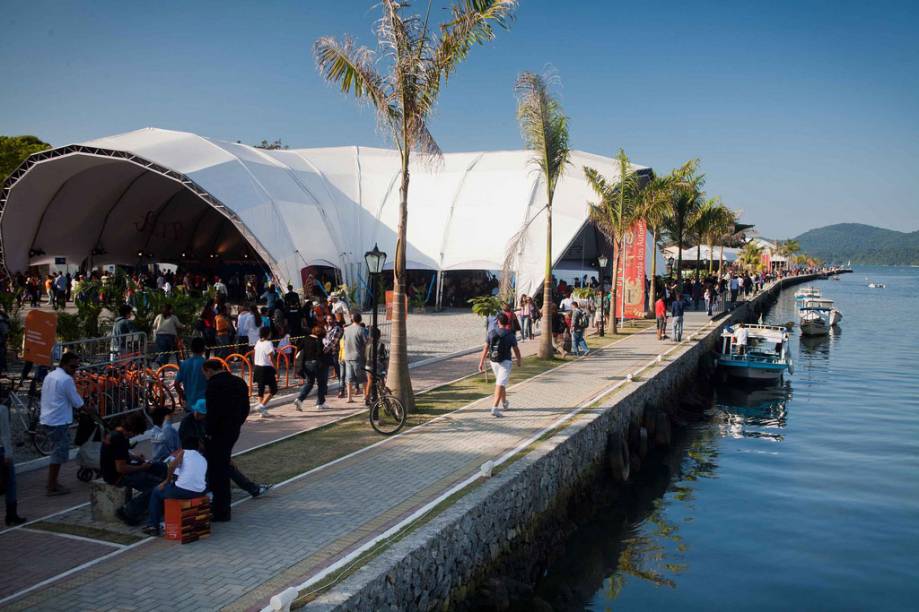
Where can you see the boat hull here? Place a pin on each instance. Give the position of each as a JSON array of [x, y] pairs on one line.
[[816, 327], [752, 371]]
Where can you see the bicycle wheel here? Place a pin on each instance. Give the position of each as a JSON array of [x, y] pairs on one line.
[[41, 441], [387, 416]]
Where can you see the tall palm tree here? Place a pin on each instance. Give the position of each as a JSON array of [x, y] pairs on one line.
[[654, 208], [751, 255], [721, 230], [709, 225], [416, 59], [788, 248], [544, 127], [686, 198], [619, 207]]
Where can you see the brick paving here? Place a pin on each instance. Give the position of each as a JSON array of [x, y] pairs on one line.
[[300, 528]]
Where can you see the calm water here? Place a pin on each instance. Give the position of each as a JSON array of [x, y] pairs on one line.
[[800, 496]]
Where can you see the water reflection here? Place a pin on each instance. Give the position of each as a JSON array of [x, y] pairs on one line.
[[752, 412]]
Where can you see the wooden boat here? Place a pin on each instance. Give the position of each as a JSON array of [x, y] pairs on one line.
[[765, 358], [817, 316]]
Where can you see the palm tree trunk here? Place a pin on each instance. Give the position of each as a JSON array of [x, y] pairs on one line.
[[545, 342], [721, 261], [398, 378], [652, 286], [698, 259], [679, 256], [613, 297], [711, 261]]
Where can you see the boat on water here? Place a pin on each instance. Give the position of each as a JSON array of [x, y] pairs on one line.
[[765, 357], [806, 293], [877, 286], [817, 316]]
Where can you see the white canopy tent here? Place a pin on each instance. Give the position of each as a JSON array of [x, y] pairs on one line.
[[172, 196]]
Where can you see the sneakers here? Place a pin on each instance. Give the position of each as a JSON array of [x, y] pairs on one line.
[[495, 412], [323, 406], [262, 489], [506, 404], [151, 530], [14, 519], [298, 404], [262, 410]]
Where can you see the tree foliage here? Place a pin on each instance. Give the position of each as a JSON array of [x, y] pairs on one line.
[[14, 150]]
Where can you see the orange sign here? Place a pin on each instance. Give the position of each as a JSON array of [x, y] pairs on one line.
[[389, 302], [39, 337], [632, 273]]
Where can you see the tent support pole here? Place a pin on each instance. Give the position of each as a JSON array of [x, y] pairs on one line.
[[440, 291]]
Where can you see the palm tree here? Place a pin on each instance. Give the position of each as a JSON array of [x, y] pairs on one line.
[[787, 249], [751, 255], [686, 198], [418, 59], [654, 207], [544, 127], [619, 207], [713, 223], [723, 229]]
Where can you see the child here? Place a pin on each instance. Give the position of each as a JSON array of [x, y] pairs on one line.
[[264, 373], [190, 468]]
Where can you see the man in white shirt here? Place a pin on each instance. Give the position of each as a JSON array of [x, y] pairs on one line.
[[339, 306], [244, 324], [190, 469], [59, 398], [741, 338], [565, 305], [220, 287]]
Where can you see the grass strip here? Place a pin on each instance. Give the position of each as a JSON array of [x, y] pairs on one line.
[[93, 533]]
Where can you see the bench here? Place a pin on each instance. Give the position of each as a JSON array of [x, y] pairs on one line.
[[106, 499]]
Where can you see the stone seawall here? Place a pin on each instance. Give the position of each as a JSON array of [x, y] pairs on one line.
[[439, 564]]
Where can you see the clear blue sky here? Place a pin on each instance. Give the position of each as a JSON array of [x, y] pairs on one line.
[[804, 113]]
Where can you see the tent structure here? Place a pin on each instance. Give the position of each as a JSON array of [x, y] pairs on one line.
[[168, 196]]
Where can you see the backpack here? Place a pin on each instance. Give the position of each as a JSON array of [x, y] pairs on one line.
[[494, 348], [580, 320]]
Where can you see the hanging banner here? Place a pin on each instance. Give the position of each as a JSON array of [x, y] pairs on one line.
[[39, 336], [632, 273]]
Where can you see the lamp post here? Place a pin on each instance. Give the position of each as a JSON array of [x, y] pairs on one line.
[[375, 260], [602, 260]]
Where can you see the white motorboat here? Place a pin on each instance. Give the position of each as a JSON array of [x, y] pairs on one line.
[[876, 285], [817, 316], [763, 358], [806, 293]]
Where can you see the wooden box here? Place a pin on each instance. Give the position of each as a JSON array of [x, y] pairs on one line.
[[188, 520]]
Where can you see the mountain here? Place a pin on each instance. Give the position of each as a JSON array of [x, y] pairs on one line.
[[864, 244]]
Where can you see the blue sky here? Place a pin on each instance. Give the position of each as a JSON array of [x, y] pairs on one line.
[[804, 113]]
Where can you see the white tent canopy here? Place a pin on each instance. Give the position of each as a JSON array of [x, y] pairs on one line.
[[728, 254], [163, 195]]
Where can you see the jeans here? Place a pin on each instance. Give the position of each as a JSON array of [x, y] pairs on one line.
[[10, 478], [242, 481], [578, 341], [165, 347], [315, 373], [708, 306], [158, 496], [526, 327], [677, 328], [142, 483]]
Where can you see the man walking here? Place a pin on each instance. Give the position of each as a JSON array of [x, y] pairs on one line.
[[59, 398], [498, 345], [660, 313], [676, 310], [190, 381], [227, 401], [579, 322], [355, 339]]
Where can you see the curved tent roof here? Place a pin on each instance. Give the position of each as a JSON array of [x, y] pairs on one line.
[[155, 191]]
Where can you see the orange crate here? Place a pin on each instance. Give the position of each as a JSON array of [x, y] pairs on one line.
[[187, 519]]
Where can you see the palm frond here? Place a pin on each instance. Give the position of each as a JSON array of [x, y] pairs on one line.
[[543, 125], [473, 23]]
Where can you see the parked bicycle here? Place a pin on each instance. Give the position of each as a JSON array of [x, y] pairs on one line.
[[25, 411], [387, 414]]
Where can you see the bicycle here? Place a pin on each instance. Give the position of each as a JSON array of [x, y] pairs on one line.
[[28, 411], [387, 414]]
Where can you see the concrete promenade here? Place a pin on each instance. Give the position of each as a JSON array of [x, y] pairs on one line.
[[310, 522]]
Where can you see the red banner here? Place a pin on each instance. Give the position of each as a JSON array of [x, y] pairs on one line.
[[632, 273]]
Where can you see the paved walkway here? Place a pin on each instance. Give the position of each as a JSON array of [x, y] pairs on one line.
[[303, 527]]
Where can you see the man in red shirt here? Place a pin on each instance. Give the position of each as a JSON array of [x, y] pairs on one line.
[[660, 311]]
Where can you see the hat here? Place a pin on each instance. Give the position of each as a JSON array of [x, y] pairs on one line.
[[199, 406]]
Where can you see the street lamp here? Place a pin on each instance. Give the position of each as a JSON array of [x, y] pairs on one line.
[[375, 260], [602, 260]]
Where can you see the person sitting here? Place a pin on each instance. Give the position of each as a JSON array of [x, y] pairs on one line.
[[163, 435], [123, 469], [189, 467]]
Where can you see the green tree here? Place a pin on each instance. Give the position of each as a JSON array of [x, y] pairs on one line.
[[619, 207], [751, 256], [654, 208], [712, 223], [401, 81], [544, 127], [14, 150], [686, 198]]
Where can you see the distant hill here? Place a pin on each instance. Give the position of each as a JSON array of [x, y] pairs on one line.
[[864, 244]]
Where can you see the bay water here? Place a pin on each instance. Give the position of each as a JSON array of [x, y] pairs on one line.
[[802, 495]]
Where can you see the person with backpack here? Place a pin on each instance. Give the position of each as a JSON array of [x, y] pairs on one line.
[[498, 346], [579, 322]]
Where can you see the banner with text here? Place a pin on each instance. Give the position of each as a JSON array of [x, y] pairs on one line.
[[632, 273]]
